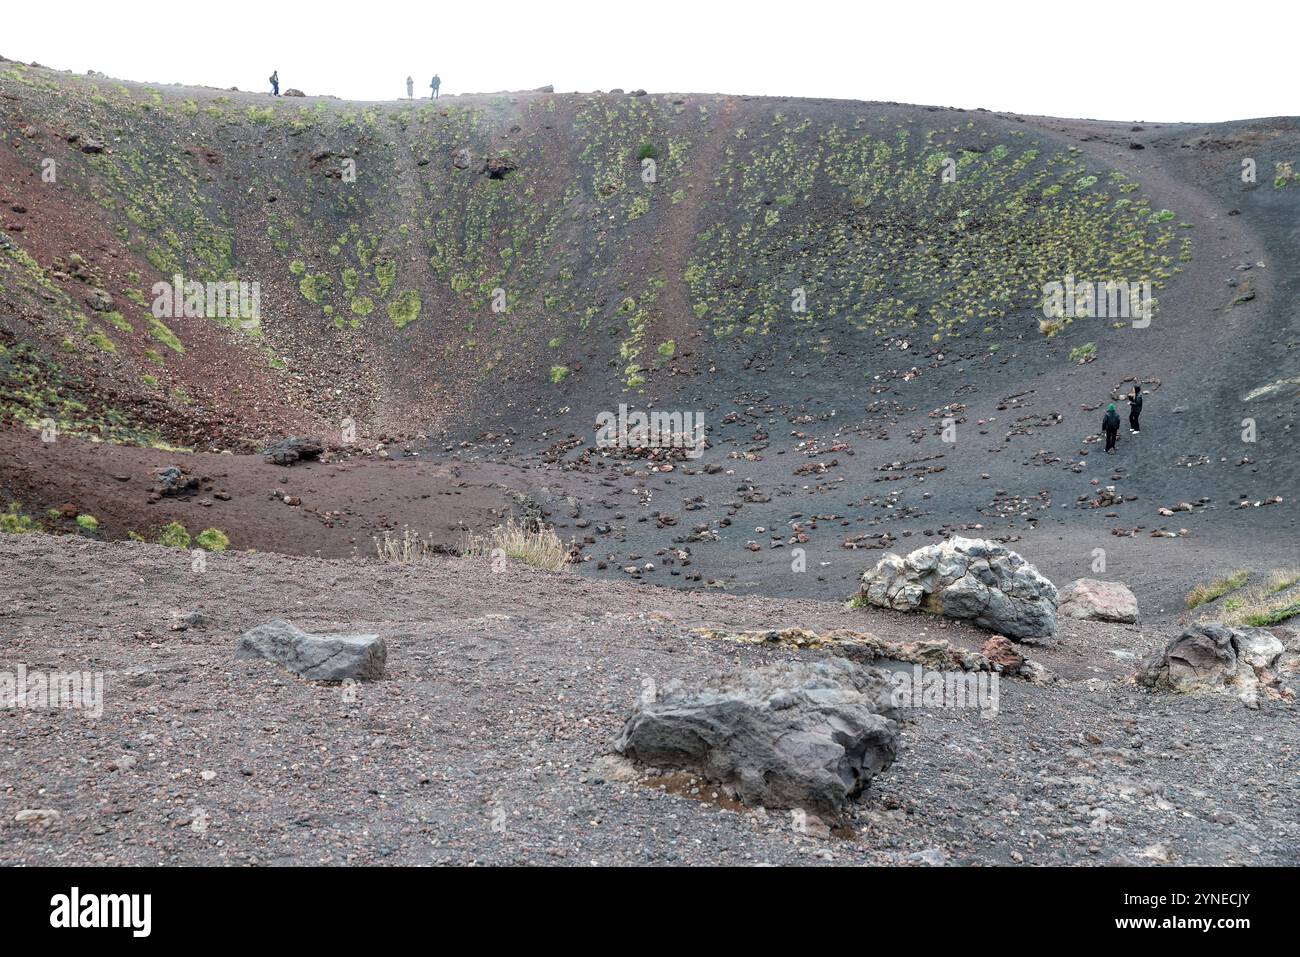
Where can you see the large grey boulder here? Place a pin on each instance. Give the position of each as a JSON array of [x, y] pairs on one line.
[[1097, 600], [806, 735], [318, 657], [292, 449], [969, 578], [1212, 657]]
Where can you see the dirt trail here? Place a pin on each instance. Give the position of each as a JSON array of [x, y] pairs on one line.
[[677, 240]]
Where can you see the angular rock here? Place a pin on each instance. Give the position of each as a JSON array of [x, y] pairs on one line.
[[1001, 652], [930, 857], [291, 449], [1202, 656], [968, 578], [806, 735], [184, 621], [39, 818], [317, 657], [499, 167], [99, 300], [1258, 647], [172, 480], [1096, 600]]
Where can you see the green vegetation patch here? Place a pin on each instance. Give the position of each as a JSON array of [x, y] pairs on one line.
[[404, 309], [1202, 594], [212, 540]]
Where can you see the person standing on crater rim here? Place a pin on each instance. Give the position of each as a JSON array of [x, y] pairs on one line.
[[1134, 409], [433, 86], [275, 83], [410, 88], [1110, 425]]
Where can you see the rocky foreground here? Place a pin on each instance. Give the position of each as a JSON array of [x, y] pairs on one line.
[[490, 736]]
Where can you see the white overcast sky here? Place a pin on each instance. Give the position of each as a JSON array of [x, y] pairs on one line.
[[1135, 60]]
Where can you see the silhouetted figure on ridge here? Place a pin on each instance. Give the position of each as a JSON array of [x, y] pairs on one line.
[[275, 83], [434, 86], [410, 88], [1134, 409], [1110, 425]]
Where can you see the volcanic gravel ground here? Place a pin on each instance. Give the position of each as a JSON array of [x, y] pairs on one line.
[[483, 743]]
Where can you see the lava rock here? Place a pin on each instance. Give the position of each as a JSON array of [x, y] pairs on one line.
[[1212, 657], [1002, 653], [99, 300], [318, 657], [1096, 600], [291, 449], [806, 735], [499, 167], [172, 480], [968, 578]]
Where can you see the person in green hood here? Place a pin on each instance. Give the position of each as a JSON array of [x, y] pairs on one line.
[[1110, 425]]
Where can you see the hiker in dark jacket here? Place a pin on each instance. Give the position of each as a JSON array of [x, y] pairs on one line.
[[435, 86], [275, 83], [1134, 409], [1110, 425]]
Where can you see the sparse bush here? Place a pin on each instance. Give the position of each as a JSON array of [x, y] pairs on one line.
[[212, 540], [532, 544], [1271, 603], [1202, 594], [1273, 614], [385, 273], [405, 308], [1084, 353], [407, 548], [647, 151], [174, 535], [13, 521], [88, 523], [311, 286]]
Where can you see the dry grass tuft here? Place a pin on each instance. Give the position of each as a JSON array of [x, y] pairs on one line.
[[1271, 603], [529, 542], [405, 549], [1202, 594]]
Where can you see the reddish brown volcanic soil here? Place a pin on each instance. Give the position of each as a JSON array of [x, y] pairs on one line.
[[344, 504]]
